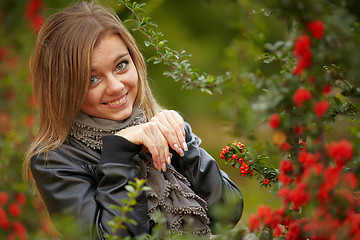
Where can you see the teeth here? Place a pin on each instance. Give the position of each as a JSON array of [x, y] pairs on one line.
[[117, 102]]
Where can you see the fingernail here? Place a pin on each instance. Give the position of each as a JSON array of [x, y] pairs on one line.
[[168, 160], [181, 153], [163, 167], [156, 166], [185, 146], [178, 150]]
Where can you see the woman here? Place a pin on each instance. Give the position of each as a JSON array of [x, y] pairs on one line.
[[101, 127]]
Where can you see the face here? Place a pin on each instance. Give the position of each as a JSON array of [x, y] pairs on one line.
[[114, 80]]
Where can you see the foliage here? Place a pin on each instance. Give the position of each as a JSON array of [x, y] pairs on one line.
[[239, 157], [10, 213], [160, 230], [134, 188], [314, 87], [22, 216], [304, 85], [177, 62]]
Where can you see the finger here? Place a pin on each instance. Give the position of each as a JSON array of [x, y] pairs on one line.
[[162, 150], [176, 122], [169, 133], [162, 147], [176, 116], [149, 136], [172, 127], [149, 142]]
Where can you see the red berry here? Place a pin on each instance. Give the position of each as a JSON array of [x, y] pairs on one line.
[[317, 28], [326, 89], [3, 198], [274, 121], [300, 96], [321, 108], [14, 210], [298, 129], [294, 207], [21, 198]]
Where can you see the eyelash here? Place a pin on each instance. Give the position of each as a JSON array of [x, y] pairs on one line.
[[96, 79], [125, 62]]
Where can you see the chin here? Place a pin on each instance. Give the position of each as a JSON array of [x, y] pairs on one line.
[[121, 116]]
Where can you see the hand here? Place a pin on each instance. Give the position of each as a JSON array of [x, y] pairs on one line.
[[164, 129], [172, 128], [150, 136]]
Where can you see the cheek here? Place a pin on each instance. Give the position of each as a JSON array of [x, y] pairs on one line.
[[91, 99], [134, 82]]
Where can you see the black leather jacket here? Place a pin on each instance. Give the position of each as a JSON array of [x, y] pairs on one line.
[[85, 182]]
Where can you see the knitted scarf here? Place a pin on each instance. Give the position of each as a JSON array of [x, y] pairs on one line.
[[170, 191]]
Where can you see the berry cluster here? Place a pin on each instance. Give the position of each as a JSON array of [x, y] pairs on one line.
[[238, 156], [10, 214], [32, 14], [333, 189], [235, 155]]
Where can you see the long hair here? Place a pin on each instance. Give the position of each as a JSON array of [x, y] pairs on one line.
[[60, 67]]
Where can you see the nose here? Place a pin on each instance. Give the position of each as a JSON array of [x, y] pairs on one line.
[[114, 85]]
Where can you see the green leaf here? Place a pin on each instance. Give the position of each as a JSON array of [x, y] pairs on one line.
[[147, 44], [145, 188], [131, 221], [115, 207], [206, 91]]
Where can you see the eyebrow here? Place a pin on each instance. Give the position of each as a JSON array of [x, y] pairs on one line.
[[116, 59], [120, 57]]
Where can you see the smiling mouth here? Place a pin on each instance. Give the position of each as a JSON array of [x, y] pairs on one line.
[[117, 102]]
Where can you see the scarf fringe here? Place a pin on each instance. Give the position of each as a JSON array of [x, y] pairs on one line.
[[90, 130], [167, 191], [191, 208]]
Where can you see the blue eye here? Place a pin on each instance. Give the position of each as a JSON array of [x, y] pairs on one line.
[[94, 80], [121, 66]]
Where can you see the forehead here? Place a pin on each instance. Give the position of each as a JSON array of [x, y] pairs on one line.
[[108, 39], [108, 47]]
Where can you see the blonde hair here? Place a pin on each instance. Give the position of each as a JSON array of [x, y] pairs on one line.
[[61, 71]]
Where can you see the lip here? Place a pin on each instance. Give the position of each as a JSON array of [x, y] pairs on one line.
[[117, 103]]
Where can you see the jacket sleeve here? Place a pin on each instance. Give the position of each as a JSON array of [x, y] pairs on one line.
[[67, 183], [207, 180]]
